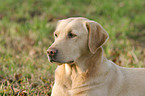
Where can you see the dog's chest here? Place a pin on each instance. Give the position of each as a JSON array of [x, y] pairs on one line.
[[72, 79], [69, 79]]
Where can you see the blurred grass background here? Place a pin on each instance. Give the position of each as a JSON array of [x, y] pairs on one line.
[[26, 31]]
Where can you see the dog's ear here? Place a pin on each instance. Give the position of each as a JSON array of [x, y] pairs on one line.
[[97, 36]]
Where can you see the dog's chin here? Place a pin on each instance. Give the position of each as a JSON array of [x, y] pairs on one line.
[[62, 62]]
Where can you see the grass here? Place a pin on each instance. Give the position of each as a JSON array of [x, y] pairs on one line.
[[26, 31]]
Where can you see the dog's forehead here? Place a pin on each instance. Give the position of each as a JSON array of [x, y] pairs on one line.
[[68, 23], [71, 23]]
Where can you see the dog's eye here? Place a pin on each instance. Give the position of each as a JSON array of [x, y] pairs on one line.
[[71, 35], [55, 35]]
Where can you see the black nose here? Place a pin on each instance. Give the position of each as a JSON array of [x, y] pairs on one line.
[[51, 52]]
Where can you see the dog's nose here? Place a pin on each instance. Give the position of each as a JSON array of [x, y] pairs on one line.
[[51, 52]]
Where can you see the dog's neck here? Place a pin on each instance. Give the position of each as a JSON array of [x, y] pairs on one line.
[[90, 62]]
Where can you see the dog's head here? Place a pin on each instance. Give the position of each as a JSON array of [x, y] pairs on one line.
[[75, 37]]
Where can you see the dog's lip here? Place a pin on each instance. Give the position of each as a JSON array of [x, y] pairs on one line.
[[70, 61], [51, 59], [59, 63]]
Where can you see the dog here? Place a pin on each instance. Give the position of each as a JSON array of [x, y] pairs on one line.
[[82, 69]]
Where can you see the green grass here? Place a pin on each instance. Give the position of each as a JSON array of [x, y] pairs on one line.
[[26, 31]]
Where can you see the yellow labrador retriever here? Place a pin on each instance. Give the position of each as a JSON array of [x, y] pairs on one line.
[[83, 70]]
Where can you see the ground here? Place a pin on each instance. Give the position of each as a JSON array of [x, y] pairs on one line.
[[26, 31]]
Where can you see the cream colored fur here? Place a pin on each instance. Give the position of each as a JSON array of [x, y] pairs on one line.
[[91, 74]]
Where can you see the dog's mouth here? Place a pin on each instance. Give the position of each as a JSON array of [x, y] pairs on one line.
[[71, 62], [60, 62]]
